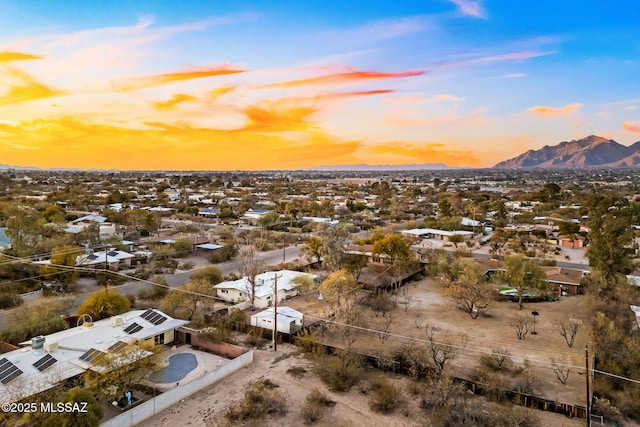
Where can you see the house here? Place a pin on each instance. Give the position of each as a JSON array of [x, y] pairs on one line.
[[236, 291], [565, 281], [430, 233], [575, 241], [289, 321], [46, 361], [114, 259], [79, 224]]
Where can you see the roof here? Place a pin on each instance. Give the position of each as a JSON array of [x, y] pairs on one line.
[[209, 246], [89, 218], [111, 256], [264, 282], [564, 276], [425, 231], [285, 314], [41, 370]]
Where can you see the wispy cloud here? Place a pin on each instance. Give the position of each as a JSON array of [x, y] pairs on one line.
[[25, 88], [144, 82], [513, 76], [424, 153], [350, 76], [377, 31], [631, 126], [544, 111], [176, 99], [471, 8], [447, 97]]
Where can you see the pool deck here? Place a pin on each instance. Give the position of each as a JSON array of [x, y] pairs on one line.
[[207, 362]]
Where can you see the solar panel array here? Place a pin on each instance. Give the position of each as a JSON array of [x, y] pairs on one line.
[[133, 328], [90, 355], [153, 317], [45, 362], [8, 371], [117, 346]]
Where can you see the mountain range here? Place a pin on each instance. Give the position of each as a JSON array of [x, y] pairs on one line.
[[592, 151]]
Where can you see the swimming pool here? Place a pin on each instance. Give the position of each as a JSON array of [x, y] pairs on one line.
[[179, 366]]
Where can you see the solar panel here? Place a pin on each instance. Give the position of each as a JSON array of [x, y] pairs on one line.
[[112, 253], [133, 328], [8, 371], [117, 346], [45, 362], [160, 320], [90, 355], [147, 314], [154, 318]]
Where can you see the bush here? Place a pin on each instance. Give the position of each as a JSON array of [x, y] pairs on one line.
[[9, 300], [337, 376], [261, 399], [386, 396], [315, 406]]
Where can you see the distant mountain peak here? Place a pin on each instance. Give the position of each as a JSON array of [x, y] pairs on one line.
[[591, 151]]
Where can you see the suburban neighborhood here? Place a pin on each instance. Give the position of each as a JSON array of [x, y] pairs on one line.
[[141, 289]]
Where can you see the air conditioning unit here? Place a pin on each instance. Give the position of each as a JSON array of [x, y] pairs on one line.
[[50, 347], [37, 342], [117, 321]]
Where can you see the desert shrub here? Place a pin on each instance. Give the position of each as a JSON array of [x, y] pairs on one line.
[[315, 406], [512, 416], [498, 359], [336, 375], [386, 396], [296, 371], [261, 399], [9, 300]]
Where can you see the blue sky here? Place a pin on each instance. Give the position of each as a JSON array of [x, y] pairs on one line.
[[282, 84]]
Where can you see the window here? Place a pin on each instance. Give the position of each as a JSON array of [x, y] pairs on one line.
[[159, 339], [375, 259]]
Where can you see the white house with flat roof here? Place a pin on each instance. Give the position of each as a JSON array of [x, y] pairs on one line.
[[288, 319], [45, 361], [236, 291]]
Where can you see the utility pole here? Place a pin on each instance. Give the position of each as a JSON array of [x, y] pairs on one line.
[[275, 311], [586, 363]]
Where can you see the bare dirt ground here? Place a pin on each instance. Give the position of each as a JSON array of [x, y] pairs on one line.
[[427, 300], [203, 409]]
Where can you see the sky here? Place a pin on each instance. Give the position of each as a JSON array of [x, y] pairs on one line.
[[239, 85]]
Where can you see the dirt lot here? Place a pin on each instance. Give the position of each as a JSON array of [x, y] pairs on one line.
[[425, 297]]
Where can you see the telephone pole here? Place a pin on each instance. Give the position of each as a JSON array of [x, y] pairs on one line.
[[586, 363], [275, 311]]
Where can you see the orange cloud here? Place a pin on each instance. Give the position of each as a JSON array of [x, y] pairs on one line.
[[217, 93], [341, 78], [543, 111], [7, 56], [425, 153], [631, 127], [25, 88], [145, 82], [167, 146], [176, 99]]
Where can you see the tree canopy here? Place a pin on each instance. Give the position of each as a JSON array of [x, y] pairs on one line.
[[104, 303]]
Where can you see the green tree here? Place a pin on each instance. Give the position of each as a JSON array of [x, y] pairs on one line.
[[397, 251], [210, 274], [104, 303], [312, 248], [338, 284], [470, 291], [183, 247], [61, 257], [90, 417], [524, 275], [333, 240], [41, 318], [610, 235], [190, 301], [24, 228], [568, 228]]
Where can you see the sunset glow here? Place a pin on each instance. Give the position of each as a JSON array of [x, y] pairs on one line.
[[203, 86]]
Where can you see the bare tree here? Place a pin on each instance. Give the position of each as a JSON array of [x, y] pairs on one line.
[[569, 330], [418, 318], [441, 349], [406, 302], [250, 267], [521, 325], [562, 370], [383, 334]]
